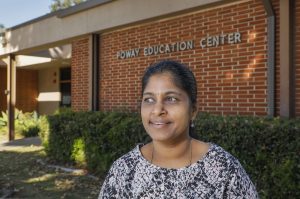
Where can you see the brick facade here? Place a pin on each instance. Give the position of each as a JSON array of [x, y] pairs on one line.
[[231, 78], [80, 74]]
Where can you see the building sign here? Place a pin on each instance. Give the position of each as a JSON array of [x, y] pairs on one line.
[[205, 42], [215, 41]]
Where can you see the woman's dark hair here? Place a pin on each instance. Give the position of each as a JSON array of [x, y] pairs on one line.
[[182, 76]]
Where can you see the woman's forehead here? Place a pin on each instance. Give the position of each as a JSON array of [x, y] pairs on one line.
[[162, 83], [161, 80]]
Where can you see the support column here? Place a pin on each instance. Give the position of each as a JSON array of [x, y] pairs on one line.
[[270, 56], [95, 72], [286, 66], [11, 95]]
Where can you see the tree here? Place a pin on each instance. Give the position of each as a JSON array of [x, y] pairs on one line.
[[2, 34], [62, 4]]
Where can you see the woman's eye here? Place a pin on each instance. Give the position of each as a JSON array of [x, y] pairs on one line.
[[172, 99], [148, 100]]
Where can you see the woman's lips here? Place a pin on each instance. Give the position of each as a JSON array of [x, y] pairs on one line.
[[159, 124]]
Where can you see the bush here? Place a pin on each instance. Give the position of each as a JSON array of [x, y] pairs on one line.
[[44, 130], [64, 129], [78, 154], [267, 148], [26, 124], [3, 119], [114, 136]]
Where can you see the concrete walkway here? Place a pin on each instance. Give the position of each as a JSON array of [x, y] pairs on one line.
[[32, 141]]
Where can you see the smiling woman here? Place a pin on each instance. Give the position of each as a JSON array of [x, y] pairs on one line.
[[173, 164]]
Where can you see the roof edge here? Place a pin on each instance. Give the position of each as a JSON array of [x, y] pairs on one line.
[[65, 12], [81, 7]]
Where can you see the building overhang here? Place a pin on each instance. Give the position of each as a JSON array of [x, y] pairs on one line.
[[93, 16], [59, 56]]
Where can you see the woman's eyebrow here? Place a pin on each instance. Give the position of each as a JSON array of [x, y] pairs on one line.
[[148, 93], [173, 93], [166, 93]]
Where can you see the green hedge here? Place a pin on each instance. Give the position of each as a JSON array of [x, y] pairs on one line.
[[26, 124], [267, 148]]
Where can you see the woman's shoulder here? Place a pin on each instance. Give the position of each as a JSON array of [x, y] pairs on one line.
[[238, 180], [127, 161], [219, 157]]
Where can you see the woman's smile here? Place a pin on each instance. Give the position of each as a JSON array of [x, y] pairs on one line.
[[159, 124]]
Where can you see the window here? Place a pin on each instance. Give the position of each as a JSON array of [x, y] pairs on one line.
[[65, 87]]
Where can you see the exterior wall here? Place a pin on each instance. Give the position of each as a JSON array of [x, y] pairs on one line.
[[275, 4], [231, 78], [296, 20], [3, 83], [297, 57], [57, 26], [80, 71], [49, 98], [27, 90]]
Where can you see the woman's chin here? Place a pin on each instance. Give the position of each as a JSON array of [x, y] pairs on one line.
[[160, 137]]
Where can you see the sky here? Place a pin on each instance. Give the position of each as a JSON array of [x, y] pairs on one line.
[[15, 12]]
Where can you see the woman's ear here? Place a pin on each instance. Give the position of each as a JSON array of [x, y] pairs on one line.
[[194, 112]]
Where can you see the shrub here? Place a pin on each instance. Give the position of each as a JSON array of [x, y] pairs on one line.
[[267, 148], [44, 130], [97, 141], [113, 137], [26, 124], [78, 154], [63, 130], [3, 119]]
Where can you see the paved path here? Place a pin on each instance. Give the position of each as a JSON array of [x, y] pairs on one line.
[[32, 141]]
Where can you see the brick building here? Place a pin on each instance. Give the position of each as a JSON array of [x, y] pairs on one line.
[[245, 55]]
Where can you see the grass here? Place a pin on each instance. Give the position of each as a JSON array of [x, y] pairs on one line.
[[22, 172]]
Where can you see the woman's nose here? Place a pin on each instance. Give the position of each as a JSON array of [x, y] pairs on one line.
[[158, 109]]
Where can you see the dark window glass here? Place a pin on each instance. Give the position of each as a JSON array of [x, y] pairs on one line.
[[65, 74], [65, 87]]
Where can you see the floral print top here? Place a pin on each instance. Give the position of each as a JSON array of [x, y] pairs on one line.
[[217, 175]]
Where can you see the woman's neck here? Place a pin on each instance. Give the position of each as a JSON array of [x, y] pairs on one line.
[[172, 155]]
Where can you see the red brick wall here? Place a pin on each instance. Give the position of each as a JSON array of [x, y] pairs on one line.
[[231, 78], [297, 56], [27, 90], [3, 82], [80, 74]]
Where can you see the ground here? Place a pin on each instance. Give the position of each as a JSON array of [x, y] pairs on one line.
[[25, 173]]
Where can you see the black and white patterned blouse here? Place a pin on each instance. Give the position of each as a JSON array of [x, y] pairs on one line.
[[217, 175]]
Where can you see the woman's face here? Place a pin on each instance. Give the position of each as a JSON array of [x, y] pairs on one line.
[[166, 109]]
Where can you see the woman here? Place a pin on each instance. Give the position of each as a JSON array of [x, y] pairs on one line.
[[174, 165]]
